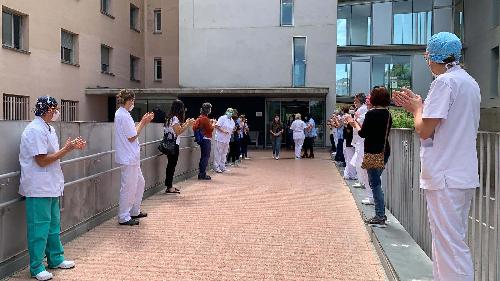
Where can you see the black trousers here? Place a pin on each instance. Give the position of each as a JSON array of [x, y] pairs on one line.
[[308, 146], [332, 140], [171, 164]]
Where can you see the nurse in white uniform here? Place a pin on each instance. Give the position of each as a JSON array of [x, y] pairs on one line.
[[447, 123], [128, 156], [359, 149], [42, 183], [223, 130]]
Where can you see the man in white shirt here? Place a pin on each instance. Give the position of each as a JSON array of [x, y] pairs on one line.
[[42, 183], [223, 130], [359, 149], [128, 156], [447, 124]]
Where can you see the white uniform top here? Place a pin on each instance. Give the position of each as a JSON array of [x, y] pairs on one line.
[[227, 124], [39, 138], [358, 141], [174, 121], [298, 127], [127, 153], [449, 158]]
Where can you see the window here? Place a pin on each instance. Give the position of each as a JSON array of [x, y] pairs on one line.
[[354, 25], [68, 47], [458, 19], [69, 110], [412, 22], [393, 72], [343, 76], [14, 30], [105, 7], [134, 64], [105, 58], [299, 62], [134, 17], [16, 107], [286, 12], [495, 73], [157, 16], [158, 70]]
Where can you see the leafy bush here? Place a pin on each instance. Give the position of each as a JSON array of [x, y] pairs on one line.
[[401, 118]]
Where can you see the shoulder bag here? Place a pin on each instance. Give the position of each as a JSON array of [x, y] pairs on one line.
[[376, 160]]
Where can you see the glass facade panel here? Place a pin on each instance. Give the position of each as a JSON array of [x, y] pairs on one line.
[[361, 24], [286, 12], [343, 76], [402, 22], [458, 19], [299, 61], [393, 72], [382, 35], [317, 110], [343, 21]]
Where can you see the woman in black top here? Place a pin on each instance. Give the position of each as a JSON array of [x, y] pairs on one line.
[[375, 131]]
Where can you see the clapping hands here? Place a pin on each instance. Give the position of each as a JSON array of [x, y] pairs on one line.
[[147, 118], [408, 100], [77, 143]]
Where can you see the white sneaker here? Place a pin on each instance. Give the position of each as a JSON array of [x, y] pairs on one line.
[[357, 185], [277, 158], [44, 275], [367, 201], [247, 158], [66, 265]]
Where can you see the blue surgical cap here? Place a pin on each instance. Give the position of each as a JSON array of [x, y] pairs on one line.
[[444, 45], [43, 104]]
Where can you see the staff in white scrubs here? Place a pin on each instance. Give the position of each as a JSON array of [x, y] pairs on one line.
[[359, 149], [42, 183], [128, 156], [223, 130], [447, 124], [298, 126]]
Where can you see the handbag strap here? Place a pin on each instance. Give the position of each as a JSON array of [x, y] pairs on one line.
[[386, 136]]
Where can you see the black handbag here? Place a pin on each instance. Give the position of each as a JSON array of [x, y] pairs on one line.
[[167, 145]]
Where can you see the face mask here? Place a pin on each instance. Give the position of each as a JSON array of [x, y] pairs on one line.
[[131, 108], [351, 111], [276, 119], [229, 114], [56, 116]]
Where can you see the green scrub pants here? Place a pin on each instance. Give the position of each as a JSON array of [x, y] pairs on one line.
[[43, 218]]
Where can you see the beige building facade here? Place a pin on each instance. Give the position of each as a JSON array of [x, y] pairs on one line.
[[61, 48]]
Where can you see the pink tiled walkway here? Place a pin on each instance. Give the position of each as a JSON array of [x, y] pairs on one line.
[[265, 220]]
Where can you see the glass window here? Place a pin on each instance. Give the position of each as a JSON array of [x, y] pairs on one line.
[[286, 12], [299, 61], [495, 73], [458, 19], [402, 22], [412, 22], [382, 34], [343, 76], [134, 62], [134, 17], [422, 21], [105, 55], [361, 22], [157, 16], [343, 21], [105, 6], [12, 30], [393, 72], [158, 69], [67, 47]]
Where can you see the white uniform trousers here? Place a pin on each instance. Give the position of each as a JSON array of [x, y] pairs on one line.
[[220, 155], [298, 147], [350, 170], [361, 173], [448, 211], [131, 192]]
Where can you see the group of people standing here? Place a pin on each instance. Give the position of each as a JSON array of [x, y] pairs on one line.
[[303, 133]]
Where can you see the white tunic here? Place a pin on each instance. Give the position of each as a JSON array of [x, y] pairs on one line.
[[298, 127], [39, 138], [227, 124], [358, 141], [174, 121], [127, 152], [449, 158]]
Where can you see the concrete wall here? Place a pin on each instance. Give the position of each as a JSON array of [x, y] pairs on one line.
[[238, 43], [481, 36]]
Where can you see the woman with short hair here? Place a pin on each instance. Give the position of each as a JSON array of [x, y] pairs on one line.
[[173, 128]]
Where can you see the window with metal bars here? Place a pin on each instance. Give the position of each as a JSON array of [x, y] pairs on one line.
[[16, 107], [69, 110]]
